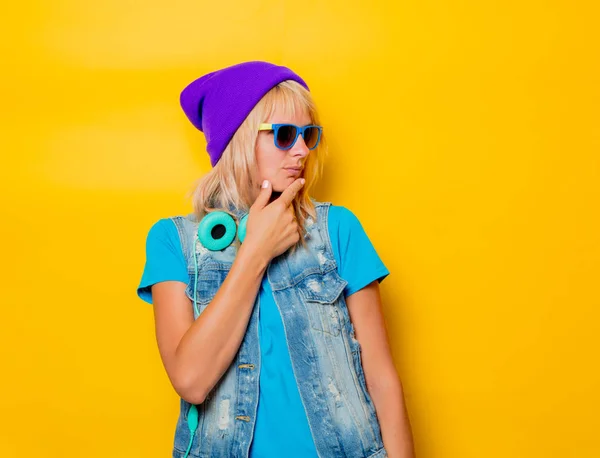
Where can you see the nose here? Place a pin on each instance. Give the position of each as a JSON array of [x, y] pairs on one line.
[[300, 149]]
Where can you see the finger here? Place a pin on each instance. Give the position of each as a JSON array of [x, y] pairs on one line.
[[291, 210], [290, 192], [263, 197]]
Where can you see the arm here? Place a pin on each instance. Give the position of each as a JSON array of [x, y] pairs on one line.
[[197, 353], [383, 383]]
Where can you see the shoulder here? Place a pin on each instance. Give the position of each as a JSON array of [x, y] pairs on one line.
[[339, 212], [342, 217], [164, 230], [171, 222], [335, 213], [162, 226]]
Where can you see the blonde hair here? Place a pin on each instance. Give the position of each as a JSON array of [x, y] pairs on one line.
[[231, 181]]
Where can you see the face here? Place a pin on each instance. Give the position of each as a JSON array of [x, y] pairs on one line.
[[281, 167]]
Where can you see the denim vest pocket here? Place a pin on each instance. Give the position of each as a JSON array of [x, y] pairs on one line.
[[211, 275], [321, 292]]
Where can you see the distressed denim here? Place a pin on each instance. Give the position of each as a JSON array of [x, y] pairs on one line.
[[325, 355]]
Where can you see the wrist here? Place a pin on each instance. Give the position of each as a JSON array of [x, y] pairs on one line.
[[252, 257]]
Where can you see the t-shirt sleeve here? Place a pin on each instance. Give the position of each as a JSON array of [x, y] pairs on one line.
[[356, 257], [164, 258]]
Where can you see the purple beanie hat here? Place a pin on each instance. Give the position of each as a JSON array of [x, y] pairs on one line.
[[218, 102]]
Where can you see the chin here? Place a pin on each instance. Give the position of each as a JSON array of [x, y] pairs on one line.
[[280, 185]]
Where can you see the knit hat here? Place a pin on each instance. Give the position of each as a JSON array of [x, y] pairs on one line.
[[218, 102]]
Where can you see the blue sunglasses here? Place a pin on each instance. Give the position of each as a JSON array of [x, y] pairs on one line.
[[286, 135]]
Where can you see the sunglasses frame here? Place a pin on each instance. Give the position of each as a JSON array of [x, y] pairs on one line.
[[299, 131]]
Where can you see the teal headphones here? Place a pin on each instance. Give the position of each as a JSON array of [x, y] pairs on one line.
[[216, 231]]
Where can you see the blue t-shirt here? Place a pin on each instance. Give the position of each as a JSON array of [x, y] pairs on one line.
[[281, 427]]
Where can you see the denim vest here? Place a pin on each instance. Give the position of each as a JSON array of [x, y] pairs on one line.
[[325, 356]]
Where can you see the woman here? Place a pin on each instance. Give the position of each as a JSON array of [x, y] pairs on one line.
[[266, 302]]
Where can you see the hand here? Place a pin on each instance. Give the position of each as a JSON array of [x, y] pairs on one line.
[[272, 227]]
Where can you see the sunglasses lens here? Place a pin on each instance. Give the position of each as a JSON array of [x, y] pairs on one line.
[[311, 137], [286, 136]]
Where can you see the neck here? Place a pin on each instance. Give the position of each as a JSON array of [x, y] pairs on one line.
[[274, 195]]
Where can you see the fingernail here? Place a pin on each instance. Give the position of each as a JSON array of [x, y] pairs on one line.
[[265, 184], [302, 180]]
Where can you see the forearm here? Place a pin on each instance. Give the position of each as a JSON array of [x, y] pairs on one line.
[[208, 347], [396, 432]]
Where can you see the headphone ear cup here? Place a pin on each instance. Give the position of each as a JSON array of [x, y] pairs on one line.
[[217, 230], [242, 228]]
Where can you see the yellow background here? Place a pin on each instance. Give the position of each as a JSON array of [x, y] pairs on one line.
[[464, 135]]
